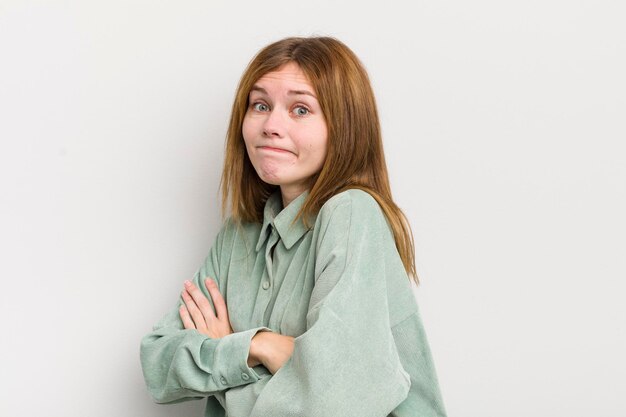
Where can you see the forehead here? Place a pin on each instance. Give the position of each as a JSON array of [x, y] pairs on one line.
[[289, 74]]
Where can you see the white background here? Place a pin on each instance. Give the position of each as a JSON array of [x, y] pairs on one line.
[[504, 134]]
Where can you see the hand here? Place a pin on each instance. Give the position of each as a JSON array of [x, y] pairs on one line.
[[271, 349], [197, 313]]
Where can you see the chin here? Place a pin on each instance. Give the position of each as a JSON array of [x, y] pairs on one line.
[[270, 179]]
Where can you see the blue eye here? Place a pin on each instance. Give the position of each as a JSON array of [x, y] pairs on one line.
[[260, 107], [301, 111]]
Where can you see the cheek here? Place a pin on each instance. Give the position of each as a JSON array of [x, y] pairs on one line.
[[322, 155], [250, 128], [315, 141], [316, 153], [320, 147], [246, 130]]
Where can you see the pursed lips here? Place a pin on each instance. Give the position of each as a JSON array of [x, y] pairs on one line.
[[270, 148]]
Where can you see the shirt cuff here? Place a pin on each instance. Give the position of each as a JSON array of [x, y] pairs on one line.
[[231, 359]]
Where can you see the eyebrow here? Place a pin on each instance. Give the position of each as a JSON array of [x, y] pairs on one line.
[[290, 92]]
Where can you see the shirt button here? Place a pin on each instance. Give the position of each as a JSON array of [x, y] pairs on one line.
[[245, 376], [223, 380], [266, 285]]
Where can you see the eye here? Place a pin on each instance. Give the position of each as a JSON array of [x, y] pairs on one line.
[[260, 106], [301, 111]]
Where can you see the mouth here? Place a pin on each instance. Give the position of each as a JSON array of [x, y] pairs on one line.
[[271, 149]]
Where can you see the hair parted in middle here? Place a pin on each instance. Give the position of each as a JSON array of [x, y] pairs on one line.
[[355, 157]]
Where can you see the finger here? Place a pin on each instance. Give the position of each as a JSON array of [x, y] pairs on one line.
[[218, 300], [186, 318], [194, 311], [201, 301]]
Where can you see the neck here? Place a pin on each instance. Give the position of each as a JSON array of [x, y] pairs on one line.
[[290, 193]]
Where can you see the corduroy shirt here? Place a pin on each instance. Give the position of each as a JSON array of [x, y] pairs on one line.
[[339, 287]]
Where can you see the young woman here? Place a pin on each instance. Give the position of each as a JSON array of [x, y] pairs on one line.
[[303, 306]]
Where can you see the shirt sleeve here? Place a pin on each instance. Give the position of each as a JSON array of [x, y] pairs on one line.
[[424, 397], [181, 364], [346, 363]]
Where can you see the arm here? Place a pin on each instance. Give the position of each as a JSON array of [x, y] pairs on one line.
[[267, 348], [346, 363], [181, 363], [270, 349]]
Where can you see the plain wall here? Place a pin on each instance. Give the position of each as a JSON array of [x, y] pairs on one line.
[[504, 135]]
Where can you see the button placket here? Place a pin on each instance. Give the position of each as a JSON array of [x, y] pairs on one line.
[[264, 293], [272, 242]]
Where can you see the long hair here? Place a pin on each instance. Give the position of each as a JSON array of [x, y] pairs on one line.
[[349, 107]]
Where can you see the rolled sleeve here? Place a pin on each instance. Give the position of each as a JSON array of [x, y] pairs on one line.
[[230, 358]]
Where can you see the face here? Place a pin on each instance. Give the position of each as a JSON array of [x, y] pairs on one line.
[[284, 130]]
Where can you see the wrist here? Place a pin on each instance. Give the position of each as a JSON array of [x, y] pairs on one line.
[[255, 356]]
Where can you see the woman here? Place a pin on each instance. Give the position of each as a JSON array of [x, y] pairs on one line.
[[303, 306]]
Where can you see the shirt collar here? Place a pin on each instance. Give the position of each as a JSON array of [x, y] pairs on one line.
[[281, 219]]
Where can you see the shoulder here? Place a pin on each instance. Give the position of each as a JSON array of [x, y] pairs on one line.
[[228, 228], [356, 196], [231, 225], [236, 234], [351, 215], [352, 203]]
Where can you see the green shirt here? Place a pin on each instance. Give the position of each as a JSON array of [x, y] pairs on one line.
[[339, 288]]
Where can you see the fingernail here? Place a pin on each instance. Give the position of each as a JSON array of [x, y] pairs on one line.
[[187, 283]]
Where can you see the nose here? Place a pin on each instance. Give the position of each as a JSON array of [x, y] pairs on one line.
[[274, 124]]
